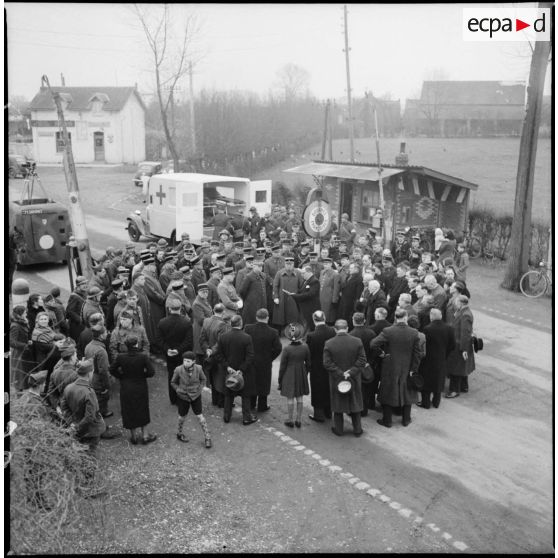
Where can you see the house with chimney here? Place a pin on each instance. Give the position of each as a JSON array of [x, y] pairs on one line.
[[105, 125], [466, 109], [413, 195]]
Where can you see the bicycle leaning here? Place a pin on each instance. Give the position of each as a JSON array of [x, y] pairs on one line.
[[536, 282]]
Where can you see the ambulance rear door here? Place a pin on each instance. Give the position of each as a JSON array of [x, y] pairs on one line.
[[260, 196], [189, 210]]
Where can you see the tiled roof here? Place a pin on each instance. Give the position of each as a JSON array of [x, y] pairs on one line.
[[473, 92], [81, 97]]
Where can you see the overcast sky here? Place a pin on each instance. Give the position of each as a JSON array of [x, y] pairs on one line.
[[393, 47]]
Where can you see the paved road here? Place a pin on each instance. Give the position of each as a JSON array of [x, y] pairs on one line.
[[474, 475]]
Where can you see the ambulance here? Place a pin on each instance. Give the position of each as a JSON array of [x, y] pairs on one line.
[[186, 202]]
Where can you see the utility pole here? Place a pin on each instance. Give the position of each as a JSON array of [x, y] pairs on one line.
[[330, 125], [77, 216], [326, 126], [349, 101], [192, 112], [380, 182], [520, 241]]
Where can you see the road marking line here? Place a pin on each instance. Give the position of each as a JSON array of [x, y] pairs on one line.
[[364, 486]]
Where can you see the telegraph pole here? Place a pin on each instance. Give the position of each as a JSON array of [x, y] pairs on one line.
[[192, 112], [349, 101], [77, 216], [326, 126]]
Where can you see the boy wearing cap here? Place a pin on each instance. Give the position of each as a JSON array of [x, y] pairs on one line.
[[188, 380]]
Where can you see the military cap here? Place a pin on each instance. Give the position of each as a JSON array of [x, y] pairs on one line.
[[327, 260], [162, 243], [185, 236], [214, 243], [117, 283], [80, 279], [248, 257], [225, 232], [177, 285], [313, 254], [202, 287], [252, 209], [214, 269], [221, 256], [260, 250], [275, 247], [84, 367], [184, 269], [122, 269], [289, 259], [305, 244], [415, 237], [169, 257], [67, 349], [93, 291], [227, 270], [239, 244], [195, 260], [149, 260], [247, 250]]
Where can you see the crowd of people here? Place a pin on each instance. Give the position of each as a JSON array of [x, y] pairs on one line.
[[365, 325]]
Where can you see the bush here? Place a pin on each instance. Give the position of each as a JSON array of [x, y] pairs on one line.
[[50, 473], [494, 232]]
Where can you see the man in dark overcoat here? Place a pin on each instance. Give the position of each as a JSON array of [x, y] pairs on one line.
[[376, 299], [156, 297], [270, 268], [399, 346], [319, 376], [174, 336], [344, 359], [440, 341], [365, 334], [308, 297], [253, 292], [235, 351], [288, 279], [329, 290], [349, 293], [267, 348], [212, 329], [74, 307], [461, 361]]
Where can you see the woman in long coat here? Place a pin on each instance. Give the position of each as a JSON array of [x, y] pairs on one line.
[[400, 345], [21, 360], [293, 372], [132, 369], [461, 361]]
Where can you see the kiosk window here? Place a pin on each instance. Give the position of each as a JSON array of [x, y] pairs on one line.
[[190, 199], [261, 196], [172, 197]]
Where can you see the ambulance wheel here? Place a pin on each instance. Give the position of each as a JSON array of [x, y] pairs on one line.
[[133, 232]]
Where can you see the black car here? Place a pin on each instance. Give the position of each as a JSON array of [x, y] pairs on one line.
[[147, 168]]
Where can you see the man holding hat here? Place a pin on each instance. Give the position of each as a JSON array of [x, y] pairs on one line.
[[235, 352], [344, 358], [80, 408], [74, 307], [174, 335]]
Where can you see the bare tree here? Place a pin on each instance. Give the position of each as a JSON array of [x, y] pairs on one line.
[[171, 58], [520, 242], [293, 80], [433, 96]]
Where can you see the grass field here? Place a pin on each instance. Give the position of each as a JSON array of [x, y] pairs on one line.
[[489, 162]]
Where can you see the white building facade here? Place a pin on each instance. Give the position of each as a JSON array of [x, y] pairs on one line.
[[106, 125]]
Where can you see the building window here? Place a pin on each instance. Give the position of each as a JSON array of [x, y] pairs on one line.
[[60, 147], [370, 202], [261, 196]]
